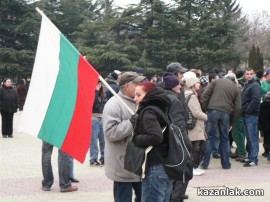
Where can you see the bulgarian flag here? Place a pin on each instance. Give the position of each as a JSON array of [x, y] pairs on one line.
[[60, 98]]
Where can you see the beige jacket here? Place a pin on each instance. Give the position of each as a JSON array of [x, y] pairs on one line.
[[198, 132]]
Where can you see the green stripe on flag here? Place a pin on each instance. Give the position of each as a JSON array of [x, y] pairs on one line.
[[62, 104]]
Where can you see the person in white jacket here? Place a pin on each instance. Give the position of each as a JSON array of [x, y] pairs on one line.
[[197, 134]]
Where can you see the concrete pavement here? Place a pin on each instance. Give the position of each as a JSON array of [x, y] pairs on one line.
[[20, 176]]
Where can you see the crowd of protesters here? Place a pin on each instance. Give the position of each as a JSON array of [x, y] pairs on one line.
[[232, 106], [235, 103]]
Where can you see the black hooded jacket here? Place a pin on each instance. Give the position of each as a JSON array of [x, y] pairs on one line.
[[251, 97], [264, 116], [148, 128]]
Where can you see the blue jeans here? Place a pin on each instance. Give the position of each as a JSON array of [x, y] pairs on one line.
[[63, 167], [216, 145], [97, 134], [218, 123], [156, 186], [250, 125], [71, 166], [122, 191]]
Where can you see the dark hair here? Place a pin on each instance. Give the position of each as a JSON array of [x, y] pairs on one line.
[[147, 86], [212, 76], [4, 81], [239, 74], [22, 82], [249, 69], [259, 74]]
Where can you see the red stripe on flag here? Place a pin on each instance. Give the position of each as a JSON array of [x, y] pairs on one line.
[[78, 138]]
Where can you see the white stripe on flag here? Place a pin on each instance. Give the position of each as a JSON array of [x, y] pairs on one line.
[[44, 76]]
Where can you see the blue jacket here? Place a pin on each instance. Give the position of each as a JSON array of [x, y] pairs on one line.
[[114, 86], [251, 96]]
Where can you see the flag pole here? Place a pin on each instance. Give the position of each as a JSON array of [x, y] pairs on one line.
[[100, 77], [43, 15], [115, 94]]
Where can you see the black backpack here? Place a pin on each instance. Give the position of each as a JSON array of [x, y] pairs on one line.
[[191, 121], [177, 163]]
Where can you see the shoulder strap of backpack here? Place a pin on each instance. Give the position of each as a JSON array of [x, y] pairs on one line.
[[188, 97], [160, 113]]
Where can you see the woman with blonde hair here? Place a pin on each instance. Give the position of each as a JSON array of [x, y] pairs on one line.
[[197, 134]]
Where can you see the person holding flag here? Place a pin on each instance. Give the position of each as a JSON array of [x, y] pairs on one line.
[[118, 126]]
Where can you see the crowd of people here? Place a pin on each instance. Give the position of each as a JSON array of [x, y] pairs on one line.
[[227, 107]]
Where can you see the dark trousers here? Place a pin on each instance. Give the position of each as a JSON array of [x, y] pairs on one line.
[[123, 191], [266, 140], [7, 123], [198, 151], [21, 104], [179, 190]]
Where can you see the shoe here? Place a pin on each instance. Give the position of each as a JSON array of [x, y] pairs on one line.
[[249, 164], [203, 167], [265, 154], [10, 136], [201, 171], [95, 164], [216, 156], [69, 189], [72, 179], [46, 188], [233, 155], [185, 196], [245, 160], [102, 163], [196, 172], [4, 136], [240, 158], [227, 168]]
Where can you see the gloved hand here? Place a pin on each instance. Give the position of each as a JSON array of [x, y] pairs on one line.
[[133, 119]]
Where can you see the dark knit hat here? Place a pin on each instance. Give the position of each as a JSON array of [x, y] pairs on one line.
[[140, 70], [170, 80]]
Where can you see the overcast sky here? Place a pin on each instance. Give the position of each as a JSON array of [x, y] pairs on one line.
[[248, 6]]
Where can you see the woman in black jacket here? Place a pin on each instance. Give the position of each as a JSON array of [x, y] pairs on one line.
[[8, 106], [156, 186]]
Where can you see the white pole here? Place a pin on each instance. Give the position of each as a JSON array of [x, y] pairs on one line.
[[115, 94], [43, 15]]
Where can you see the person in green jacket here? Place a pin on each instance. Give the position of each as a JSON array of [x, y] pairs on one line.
[[265, 86]]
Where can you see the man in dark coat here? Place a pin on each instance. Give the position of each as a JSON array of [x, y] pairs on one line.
[[251, 96]]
